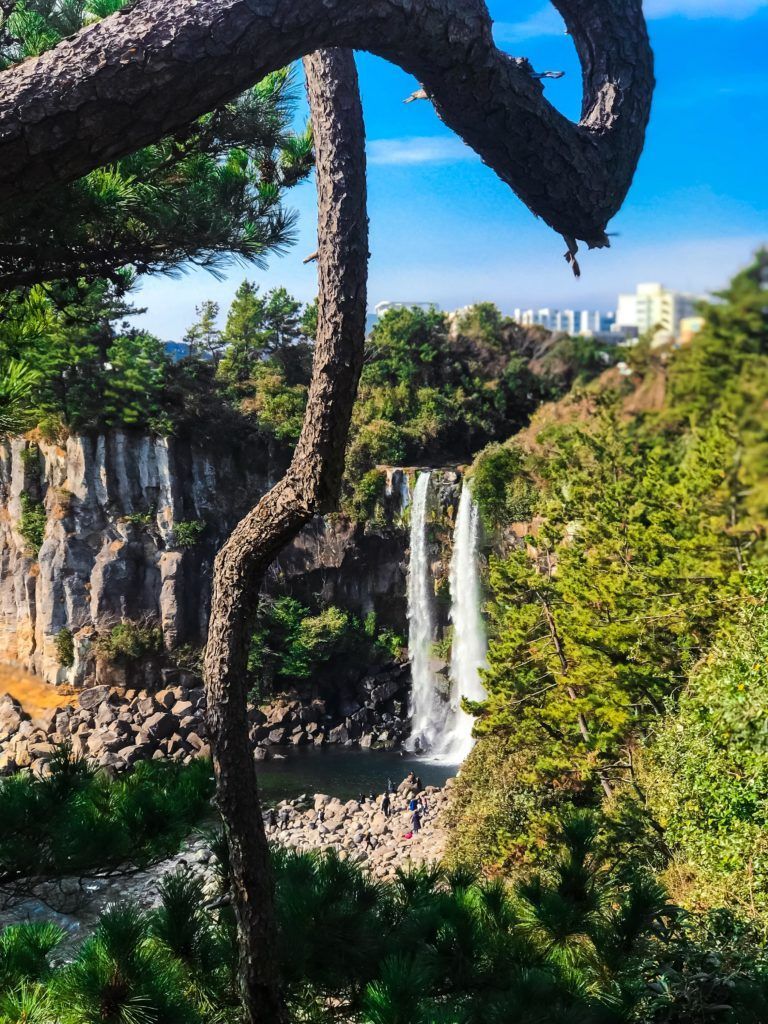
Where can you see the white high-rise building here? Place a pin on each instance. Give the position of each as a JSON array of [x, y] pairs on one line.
[[583, 322], [654, 308]]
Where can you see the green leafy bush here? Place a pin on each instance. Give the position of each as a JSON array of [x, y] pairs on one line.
[[65, 648], [292, 642], [32, 523], [366, 495], [130, 641], [187, 532], [141, 519], [502, 487]]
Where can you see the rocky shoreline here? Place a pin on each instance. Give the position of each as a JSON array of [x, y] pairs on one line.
[[115, 728], [355, 831]]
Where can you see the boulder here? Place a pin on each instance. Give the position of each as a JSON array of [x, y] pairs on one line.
[[339, 734], [91, 698], [160, 725], [167, 698], [384, 691]]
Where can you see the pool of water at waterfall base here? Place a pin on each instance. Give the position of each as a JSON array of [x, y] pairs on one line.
[[344, 773]]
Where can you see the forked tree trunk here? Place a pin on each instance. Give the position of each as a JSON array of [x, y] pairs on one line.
[[311, 485], [150, 69]]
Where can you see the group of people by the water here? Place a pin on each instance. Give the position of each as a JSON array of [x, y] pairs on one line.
[[410, 789], [408, 796]]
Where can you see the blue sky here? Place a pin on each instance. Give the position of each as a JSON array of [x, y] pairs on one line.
[[444, 229]]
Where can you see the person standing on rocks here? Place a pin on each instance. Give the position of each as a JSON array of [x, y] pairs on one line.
[[284, 816], [386, 805], [416, 821], [406, 786]]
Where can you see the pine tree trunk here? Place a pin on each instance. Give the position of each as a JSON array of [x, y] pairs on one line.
[[311, 485]]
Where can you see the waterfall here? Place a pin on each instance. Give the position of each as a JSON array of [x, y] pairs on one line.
[[441, 727], [425, 709], [405, 493], [468, 651]]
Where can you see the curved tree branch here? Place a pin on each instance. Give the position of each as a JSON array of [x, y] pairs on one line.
[[136, 76], [311, 485]]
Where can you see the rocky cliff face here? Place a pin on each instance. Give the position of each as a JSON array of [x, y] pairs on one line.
[[132, 525]]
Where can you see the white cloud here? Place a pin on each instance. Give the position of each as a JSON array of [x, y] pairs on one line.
[[419, 150], [547, 22]]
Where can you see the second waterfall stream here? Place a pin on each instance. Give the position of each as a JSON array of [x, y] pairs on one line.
[[440, 726]]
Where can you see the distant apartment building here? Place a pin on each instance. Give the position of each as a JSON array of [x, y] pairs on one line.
[[584, 322], [654, 308]]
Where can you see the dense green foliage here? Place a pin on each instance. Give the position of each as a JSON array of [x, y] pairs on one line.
[[292, 643], [430, 392], [706, 771], [17, 381], [129, 641], [210, 191], [32, 523], [187, 532], [647, 543], [77, 818], [65, 648], [577, 944]]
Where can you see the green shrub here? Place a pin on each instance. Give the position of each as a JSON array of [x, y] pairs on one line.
[[706, 772], [77, 818], [501, 487], [187, 532], [65, 648], [130, 641], [32, 523], [292, 642], [498, 814], [366, 495], [141, 519]]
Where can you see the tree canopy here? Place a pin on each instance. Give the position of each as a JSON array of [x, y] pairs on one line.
[[210, 191]]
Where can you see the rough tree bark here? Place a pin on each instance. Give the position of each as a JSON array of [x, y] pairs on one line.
[[311, 485], [135, 76]]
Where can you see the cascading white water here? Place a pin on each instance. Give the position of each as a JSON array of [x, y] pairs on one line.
[[405, 493], [425, 711], [440, 727], [469, 648]]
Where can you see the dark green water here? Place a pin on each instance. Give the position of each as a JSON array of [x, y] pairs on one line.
[[343, 773]]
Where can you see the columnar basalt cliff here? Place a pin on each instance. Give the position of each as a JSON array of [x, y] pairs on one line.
[[129, 526]]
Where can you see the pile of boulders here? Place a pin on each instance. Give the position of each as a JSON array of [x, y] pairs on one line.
[[362, 831], [115, 728], [373, 714]]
